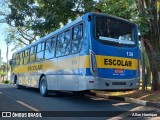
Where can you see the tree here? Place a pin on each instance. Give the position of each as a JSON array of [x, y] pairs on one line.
[[31, 19], [3, 74], [148, 74], [19, 36], [44, 16], [122, 8], [4, 67], [149, 12], [18, 39]]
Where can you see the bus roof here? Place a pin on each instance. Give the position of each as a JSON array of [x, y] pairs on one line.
[[114, 17]]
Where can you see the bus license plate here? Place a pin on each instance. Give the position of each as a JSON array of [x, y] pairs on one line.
[[118, 71]]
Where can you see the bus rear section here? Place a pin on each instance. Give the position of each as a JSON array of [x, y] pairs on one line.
[[114, 54], [113, 73]]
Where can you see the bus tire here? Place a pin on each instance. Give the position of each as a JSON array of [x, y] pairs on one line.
[[43, 86]]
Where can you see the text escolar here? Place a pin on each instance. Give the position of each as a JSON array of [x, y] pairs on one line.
[[118, 62]]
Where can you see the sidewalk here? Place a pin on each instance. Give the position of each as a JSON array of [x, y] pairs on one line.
[[146, 98]]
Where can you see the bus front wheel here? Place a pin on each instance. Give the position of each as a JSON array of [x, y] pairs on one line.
[[43, 86]]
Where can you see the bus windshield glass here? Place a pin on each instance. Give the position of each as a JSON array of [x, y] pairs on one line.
[[110, 30]]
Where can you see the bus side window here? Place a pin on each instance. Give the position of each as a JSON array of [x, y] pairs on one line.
[[17, 59], [21, 57], [77, 38], [40, 52], [50, 48], [26, 56], [32, 54], [59, 47], [66, 43], [13, 60], [42, 46]]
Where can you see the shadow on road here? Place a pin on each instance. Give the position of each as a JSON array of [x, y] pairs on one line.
[[54, 93]]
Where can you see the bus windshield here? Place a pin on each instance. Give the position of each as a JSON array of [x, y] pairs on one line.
[[110, 30]]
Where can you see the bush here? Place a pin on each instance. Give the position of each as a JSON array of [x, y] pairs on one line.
[[6, 81]]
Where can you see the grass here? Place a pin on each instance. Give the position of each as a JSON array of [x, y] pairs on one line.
[[147, 95]]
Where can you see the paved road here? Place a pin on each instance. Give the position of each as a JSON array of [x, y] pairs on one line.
[[27, 99]]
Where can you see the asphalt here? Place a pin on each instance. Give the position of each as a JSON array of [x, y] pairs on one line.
[[129, 100]]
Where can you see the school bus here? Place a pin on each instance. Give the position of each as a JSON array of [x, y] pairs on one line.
[[94, 52]]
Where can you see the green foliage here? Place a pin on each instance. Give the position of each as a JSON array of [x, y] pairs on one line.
[[45, 16], [4, 67], [143, 23], [50, 14], [126, 9], [3, 74], [121, 8], [6, 81], [31, 19], [15, 38]]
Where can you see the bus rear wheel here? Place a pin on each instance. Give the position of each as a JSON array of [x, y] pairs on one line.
[[43, 86]]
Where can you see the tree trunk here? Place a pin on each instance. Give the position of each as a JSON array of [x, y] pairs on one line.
[[154, 60], [148, 77], [155, 55], [3, 78]]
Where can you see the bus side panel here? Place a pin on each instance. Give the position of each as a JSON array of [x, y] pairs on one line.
[[29, 79], [87, 83], [68, 73], [51, 74], [52, 81], [22, 75], [23, 79], [33, 79], [84, 69]]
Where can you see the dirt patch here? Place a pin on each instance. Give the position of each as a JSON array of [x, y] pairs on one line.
[[138, 94]]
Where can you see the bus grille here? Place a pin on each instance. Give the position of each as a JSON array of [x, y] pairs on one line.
[[118, 83]]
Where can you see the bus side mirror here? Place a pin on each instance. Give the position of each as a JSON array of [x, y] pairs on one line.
[[10, 62]]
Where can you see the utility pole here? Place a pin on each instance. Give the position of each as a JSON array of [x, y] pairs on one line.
[[0, 58], [7, 54], [0, 61]]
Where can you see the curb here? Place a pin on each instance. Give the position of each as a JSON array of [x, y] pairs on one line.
[[130, 100]]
